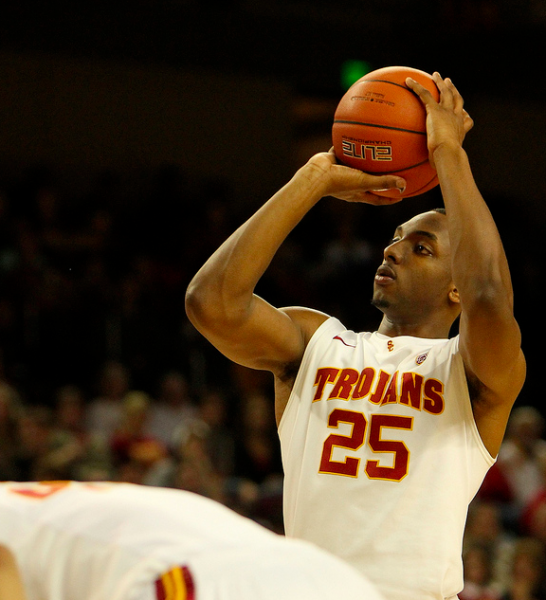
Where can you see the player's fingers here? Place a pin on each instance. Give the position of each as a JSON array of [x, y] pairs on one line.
[[446, 92], [388, 182], [330, 156], [357, 186], [362, 197], [458, 101], [421, 91], [382, 183], [468, 121], [349, 179], [382, 200]]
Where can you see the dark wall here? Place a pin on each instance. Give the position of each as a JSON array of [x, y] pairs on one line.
[[90, 115]]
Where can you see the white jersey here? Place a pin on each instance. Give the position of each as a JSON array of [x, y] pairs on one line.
[[382, 456], [108, 541]]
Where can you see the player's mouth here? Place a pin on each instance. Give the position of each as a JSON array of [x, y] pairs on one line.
[[384, 275]]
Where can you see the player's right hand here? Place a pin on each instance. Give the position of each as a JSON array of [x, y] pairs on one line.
[[347, 183]]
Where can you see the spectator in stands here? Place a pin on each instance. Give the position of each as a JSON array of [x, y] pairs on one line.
[[104, 412], [478, 574], [528, 571], [172, 408], [522, 457], [76, 453]]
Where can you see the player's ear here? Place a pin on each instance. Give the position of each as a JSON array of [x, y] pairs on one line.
[[453, 295]]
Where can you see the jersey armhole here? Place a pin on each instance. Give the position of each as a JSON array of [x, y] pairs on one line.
[[331, 326], [489, 460]]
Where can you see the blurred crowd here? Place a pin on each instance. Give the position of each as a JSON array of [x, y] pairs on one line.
[[505, 539], [102, 376], [170, 439]]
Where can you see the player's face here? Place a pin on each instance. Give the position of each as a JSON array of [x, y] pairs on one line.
[[415, 276]]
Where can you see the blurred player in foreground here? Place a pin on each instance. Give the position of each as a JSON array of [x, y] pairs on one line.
[[386, 436], [113, 541]]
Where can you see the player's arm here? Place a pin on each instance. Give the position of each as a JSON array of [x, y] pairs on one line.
[[489, 334], [220, 300], [11, 584]]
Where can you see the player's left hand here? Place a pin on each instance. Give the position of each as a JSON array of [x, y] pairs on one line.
[[447, 120]]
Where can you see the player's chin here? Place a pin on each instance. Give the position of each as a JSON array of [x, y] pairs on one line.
[[379, 300]]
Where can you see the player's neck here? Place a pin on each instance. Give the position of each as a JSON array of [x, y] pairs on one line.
[[393, 327]]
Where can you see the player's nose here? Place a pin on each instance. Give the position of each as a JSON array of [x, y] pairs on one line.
[[393, 253]]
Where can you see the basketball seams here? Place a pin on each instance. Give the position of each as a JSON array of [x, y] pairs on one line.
[[346, 122], [423, 162], [423, 188], [402, 85]]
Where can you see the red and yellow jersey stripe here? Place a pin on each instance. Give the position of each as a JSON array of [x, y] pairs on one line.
[[176, 584]]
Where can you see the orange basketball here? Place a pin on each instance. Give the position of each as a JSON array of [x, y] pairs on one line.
[[380, 128]]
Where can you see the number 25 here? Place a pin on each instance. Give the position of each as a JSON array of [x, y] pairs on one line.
[[354, 441]]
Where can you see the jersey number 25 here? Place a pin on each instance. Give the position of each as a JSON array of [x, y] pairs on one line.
[[350, 465]]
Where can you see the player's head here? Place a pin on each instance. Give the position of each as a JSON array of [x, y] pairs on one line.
[[414, 282]]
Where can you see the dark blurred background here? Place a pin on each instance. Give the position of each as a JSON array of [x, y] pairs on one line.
[[136, 136]]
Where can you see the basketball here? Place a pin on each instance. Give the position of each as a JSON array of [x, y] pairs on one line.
[[380, 128]]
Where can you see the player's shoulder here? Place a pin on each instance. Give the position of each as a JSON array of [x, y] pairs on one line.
[[308, 320]]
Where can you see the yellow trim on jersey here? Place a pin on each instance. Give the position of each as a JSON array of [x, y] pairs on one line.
[[174, 585]]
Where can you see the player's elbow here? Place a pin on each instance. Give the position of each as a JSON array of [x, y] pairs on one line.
[[489, 297], [199, 304], [211, 308]]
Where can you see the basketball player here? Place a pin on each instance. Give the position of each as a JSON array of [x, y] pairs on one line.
[[385, 436], [113, 541]]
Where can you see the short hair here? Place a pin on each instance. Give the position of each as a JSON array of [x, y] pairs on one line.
[[442, 211]]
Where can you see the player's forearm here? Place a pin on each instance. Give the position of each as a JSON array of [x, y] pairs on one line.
[[223, 288], [480, 269]]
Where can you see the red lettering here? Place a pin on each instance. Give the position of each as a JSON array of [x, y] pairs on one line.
[[400, 451], [391, 395], [412, 385], [434, 398], [413, 390], [364, 383], [348, 466], [375, 398], [324, 376], [344, 384]]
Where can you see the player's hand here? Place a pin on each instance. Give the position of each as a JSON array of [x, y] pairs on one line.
[[350, 184], [447, 120]]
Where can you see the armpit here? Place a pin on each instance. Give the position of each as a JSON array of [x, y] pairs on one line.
[[476, 389]]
